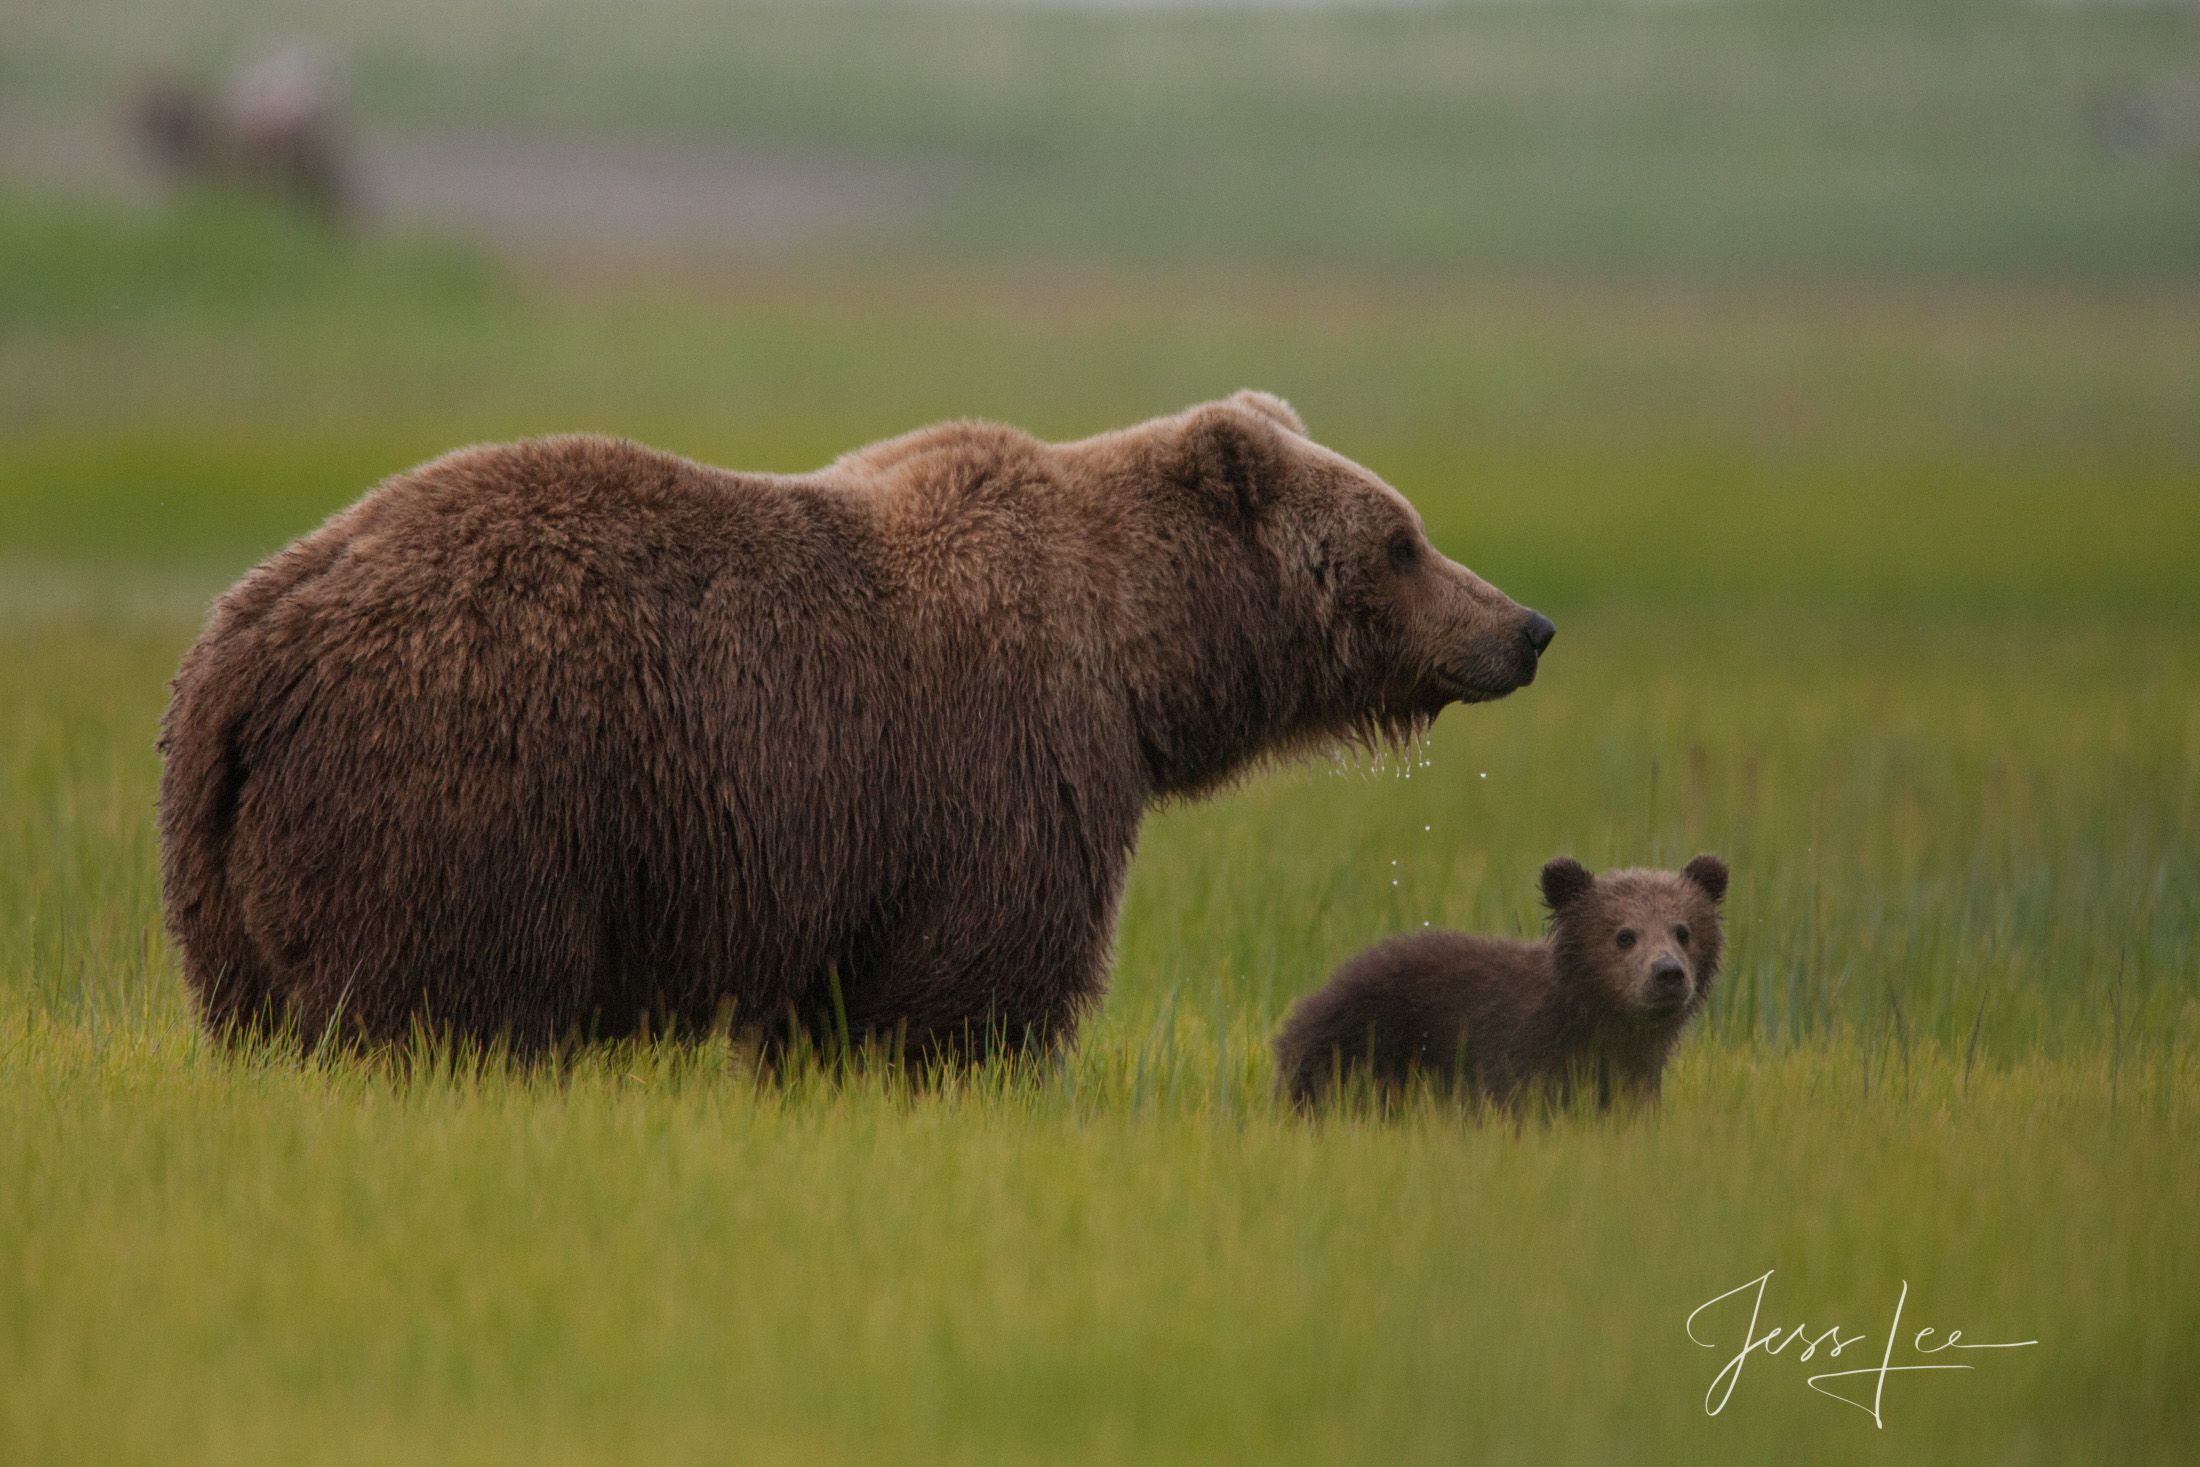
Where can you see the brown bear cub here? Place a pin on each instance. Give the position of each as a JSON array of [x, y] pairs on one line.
[[1628, 962]]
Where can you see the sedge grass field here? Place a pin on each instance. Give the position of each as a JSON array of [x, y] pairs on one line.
[[1884, 591], [1955, 1048]]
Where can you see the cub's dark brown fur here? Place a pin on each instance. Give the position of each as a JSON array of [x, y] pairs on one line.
[[1629, 960], [574, 736]]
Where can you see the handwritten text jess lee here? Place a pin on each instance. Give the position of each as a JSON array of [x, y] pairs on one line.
[[1775, 1342]]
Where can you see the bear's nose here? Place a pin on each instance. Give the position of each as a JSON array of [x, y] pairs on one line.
[[1669, 976], [1539, 630]]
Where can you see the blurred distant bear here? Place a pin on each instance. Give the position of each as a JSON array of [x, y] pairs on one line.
[[571, 737], [1628, 962], [276, 130]]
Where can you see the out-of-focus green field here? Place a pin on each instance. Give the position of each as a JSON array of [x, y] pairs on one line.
[[1769, 137], [1881, 584]]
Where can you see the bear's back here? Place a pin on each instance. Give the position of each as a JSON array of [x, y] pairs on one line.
[[704, 731], [571, 677], [1444, 1004], [550, 520]]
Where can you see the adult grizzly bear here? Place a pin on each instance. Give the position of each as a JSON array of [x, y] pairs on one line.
[[571, 736]]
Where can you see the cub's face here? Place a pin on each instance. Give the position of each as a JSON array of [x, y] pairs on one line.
[[1646, 943]]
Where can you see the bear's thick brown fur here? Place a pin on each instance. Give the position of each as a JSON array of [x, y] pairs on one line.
[[1602, 999], [574, 737]]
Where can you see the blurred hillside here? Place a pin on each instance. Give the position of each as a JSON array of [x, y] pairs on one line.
[[1820, 303], [1935, 138]]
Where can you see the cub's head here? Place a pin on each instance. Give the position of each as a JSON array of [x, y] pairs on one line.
[[1392, 630], [1640, 943]]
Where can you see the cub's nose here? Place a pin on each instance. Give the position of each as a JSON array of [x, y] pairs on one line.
[[1670, 978], [1538, 631]]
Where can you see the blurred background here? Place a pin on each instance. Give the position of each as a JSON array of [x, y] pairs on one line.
[[1571, 275], [1921, 139]]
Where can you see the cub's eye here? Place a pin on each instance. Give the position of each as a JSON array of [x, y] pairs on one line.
[[1626, 937], [1680, 934], [1403, 552]]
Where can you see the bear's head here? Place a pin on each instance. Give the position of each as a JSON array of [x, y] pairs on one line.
[[1640, 944], [1391, 629], [1272, 597]]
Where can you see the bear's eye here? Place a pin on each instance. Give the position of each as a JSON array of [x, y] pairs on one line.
[[1403, 552], [1626, 937], [1680, 934]]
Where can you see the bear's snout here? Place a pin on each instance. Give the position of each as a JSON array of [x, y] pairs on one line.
[[1526, 653], [1668, 982], [1537, 631], [1485, 644], [1535, 634]]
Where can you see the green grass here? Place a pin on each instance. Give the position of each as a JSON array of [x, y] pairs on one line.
[[1883, 592], [1993, 448], [1955, 1046], [652, 1258]]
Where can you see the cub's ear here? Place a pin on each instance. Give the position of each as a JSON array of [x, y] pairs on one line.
[[1269, 406], [1565, 880], [1708, 872]]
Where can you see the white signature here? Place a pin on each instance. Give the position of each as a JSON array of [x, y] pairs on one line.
[[1774, 1341]]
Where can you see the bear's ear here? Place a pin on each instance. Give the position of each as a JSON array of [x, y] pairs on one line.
[[1565, 880], [1708, 872], [1269, 406], [1226, 450]]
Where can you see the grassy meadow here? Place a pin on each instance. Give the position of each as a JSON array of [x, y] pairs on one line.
[[1873, 564]]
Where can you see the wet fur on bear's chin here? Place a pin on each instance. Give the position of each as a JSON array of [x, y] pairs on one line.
[[1506, 1019], [573, 737]]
